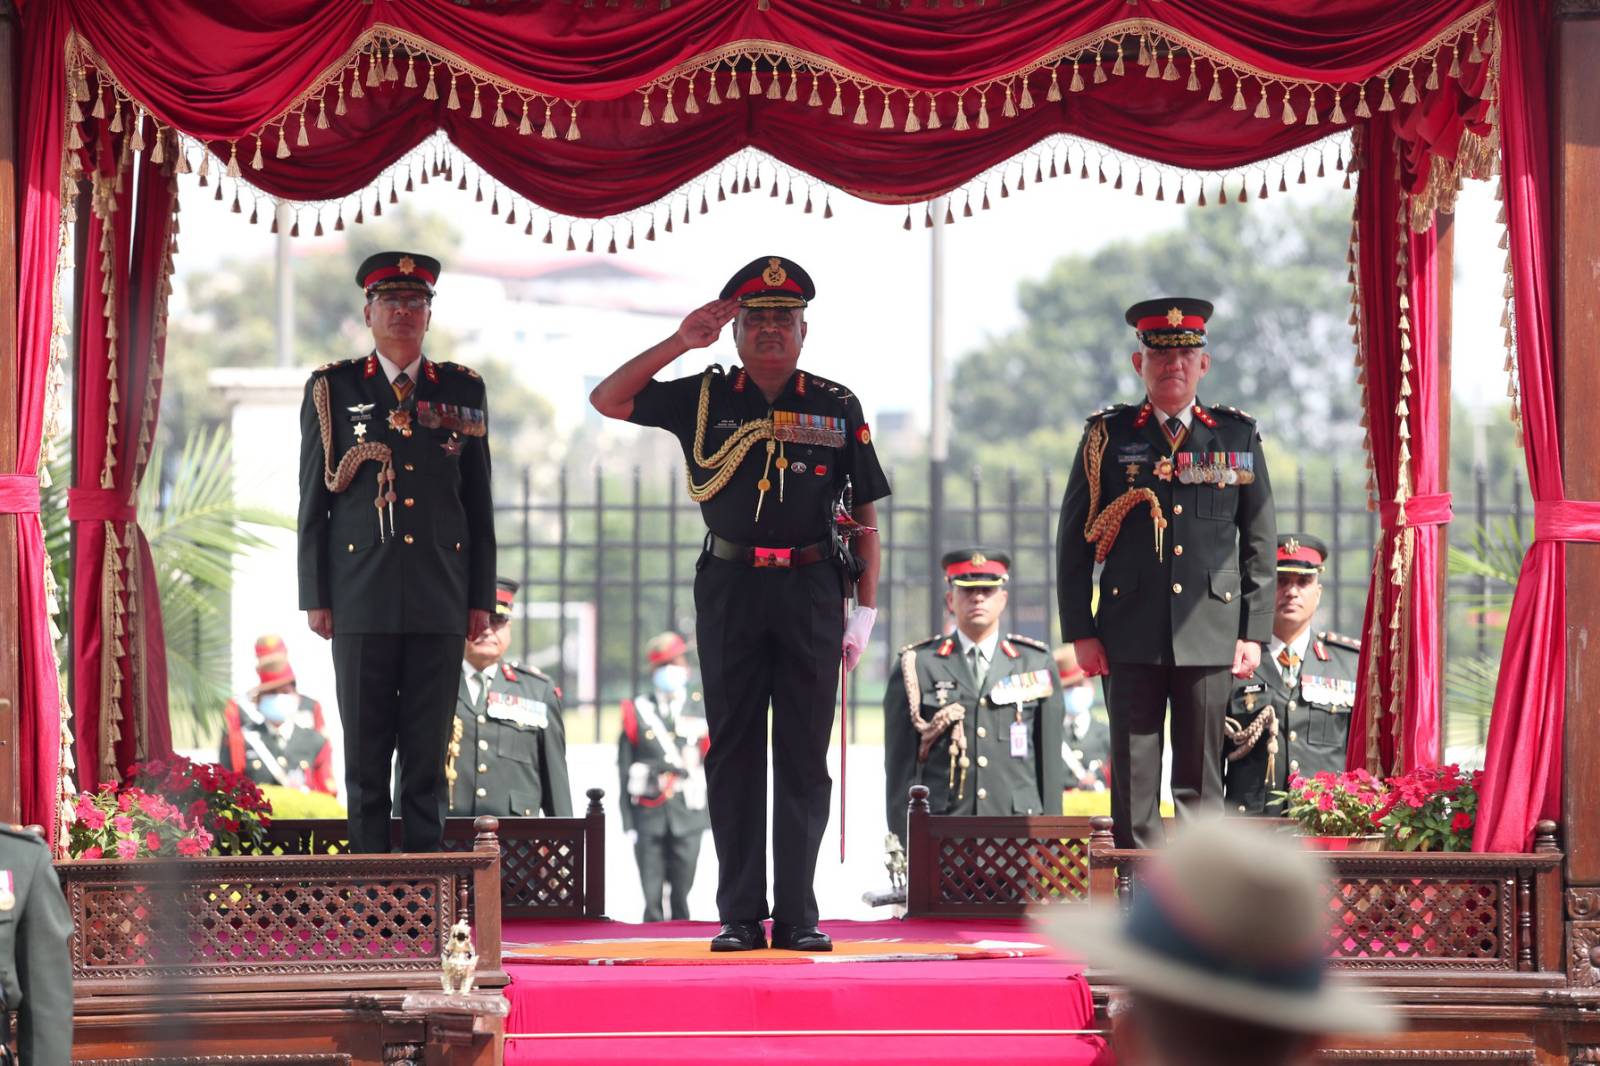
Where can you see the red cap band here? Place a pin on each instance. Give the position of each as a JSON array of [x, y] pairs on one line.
[[1164, 322]]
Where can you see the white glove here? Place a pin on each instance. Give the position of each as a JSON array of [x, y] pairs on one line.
[[856, 634]]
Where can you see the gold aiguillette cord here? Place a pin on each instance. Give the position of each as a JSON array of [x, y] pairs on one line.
[[765, 484]]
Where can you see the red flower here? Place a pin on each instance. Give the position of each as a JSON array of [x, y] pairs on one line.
[[1325, 802], [191, 846], [197, 809], [93, 818], [152, 841], [1325, 777], [93, 853], [1461, 822]]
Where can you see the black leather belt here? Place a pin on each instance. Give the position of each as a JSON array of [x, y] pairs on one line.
[[785, 558]]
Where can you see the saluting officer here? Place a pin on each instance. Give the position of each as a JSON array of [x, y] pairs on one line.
[[35, 968], [508, 745], [974, 716], [661, 762], [772, 451], [1292, 716], [1173, 497], [396, 546]]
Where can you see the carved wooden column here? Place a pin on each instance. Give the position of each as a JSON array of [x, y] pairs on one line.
[[1576, 160]]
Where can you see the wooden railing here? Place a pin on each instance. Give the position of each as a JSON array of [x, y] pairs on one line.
[[549, 867]]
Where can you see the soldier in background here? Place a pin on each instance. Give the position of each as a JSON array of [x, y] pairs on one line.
[[1086, 747], [661, 761], [274, 737], [974, 716], [508, 748], [1292, 715], [35, 969]]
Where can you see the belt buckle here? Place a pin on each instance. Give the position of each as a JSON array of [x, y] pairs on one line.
[[764, 557]]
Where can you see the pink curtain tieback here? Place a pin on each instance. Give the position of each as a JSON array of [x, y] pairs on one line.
[[1575, 520], [1428, 510], [99, 505], [19, 494]]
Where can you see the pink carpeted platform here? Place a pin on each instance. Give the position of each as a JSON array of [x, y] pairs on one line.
[[1025, 1010]]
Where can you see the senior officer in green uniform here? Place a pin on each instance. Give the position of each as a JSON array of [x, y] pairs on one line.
[[1173, 497], [974, 716], [1292, 716], [396, 547], [508, 745], [35, 969], [780, 461]]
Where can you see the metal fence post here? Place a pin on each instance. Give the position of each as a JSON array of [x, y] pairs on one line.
[[930, 569], [561, 579], [635, 641], [527, 550], [599, 594]]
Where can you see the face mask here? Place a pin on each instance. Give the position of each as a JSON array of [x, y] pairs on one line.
[[277, 707], [671, 678], [1079, 699]]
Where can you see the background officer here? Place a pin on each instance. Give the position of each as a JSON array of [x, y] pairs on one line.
[[661, 760], [1086, 747], [508, 745], [1292, 716], [974, 717], [396, 546], [771, 450], [35, 970], [275, 736], [1173, 497]]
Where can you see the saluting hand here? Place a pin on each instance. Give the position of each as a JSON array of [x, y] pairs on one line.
[[1246, 657], [704, 324]]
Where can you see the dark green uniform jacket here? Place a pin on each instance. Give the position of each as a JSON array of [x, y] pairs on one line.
[[35, 971], [933, 675], [513, 748], [654, 743], [1312, 723], [1212, 583], [438, 560]]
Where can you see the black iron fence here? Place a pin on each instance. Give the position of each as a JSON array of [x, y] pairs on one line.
[[606, 560]]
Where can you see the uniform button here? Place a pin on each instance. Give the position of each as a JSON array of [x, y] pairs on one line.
[[482, 792], [405, 433], [526, 813], [1115, 591], [1291, 705], [350, 547], [1227, 597], [255, 764], [283, 762], [1294, 766], [483, 745], [1292, 735], [409, 468], [1241, 808], [458, 545], [410, 502], [410, 539], [982, 732], [983, 793], [1177, 549], [483, 768], [1176, 588], [481, 718], [983, 760], [1177, 508]]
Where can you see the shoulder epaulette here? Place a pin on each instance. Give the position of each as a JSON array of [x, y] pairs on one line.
[[21, 833], [531, 671], [1106, 412], [1243, 416], [1339, 640], [465, 371], [1017, 638], [337, 363], [834, 387], [923, 643]]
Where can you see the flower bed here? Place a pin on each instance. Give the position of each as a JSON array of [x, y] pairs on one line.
[[170, 808]]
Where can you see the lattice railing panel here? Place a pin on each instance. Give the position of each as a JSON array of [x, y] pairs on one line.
[[1021, 871], [1422, 922]]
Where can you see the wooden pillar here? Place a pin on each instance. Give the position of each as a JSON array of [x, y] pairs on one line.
[[1576, 161], [10, 562]]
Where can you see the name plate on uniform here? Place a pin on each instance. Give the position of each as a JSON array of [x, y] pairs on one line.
[[1021, 688], [518, 710], [798, 427], [468, 421], [1328, 691]]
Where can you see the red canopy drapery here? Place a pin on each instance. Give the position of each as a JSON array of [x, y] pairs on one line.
[[601, 110]]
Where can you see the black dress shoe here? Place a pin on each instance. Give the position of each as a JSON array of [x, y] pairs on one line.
[[800, 938], [739, 936]]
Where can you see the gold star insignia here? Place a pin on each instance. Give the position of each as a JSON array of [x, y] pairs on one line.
[[1174, 317], [408, 265], [978, 559], [774, 275]]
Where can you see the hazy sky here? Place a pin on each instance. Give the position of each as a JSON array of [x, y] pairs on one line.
[[870, 322]]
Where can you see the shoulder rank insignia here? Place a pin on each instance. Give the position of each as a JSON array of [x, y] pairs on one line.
[[924, 642], [1018, 638], [834, 387], [1107, 412], [1339, 640], [1243, 416], [531, 671]]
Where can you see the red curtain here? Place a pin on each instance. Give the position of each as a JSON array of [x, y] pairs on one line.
[[1522, 767], [119, 668]]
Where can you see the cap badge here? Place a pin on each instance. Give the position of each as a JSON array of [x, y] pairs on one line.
[[1292, 546], [774, 275], [408, 265], [1175, 317], [979, 559]]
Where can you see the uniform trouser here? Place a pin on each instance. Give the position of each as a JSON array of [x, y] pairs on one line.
[[1137, 695], [397, 692], [667, 862], [768, 637]]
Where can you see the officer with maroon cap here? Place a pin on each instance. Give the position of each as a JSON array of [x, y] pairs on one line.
[[396, 547], [974, 715], [780, 461], [1172, 496], [1292, 716]]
